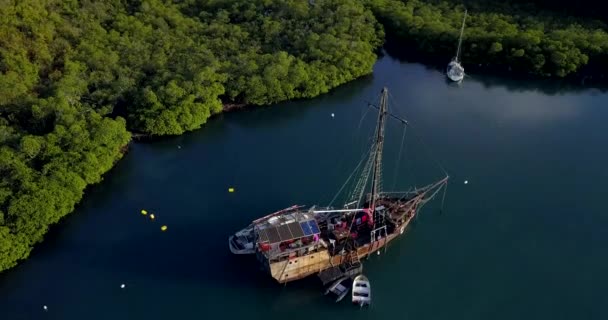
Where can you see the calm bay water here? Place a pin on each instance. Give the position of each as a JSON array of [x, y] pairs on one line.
[[524, 239]]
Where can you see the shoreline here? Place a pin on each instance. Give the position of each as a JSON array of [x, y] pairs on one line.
[[226, 107], [504, 39], [578, 80]]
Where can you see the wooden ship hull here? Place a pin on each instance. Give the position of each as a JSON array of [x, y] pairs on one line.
[[320, 258], [301, 267]]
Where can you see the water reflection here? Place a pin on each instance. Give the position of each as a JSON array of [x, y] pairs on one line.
[[276, 115], [546, 86], [453, 84], [512, 83], [477, 98]]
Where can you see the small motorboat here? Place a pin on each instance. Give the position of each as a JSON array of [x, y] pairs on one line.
[[362, 294], [242, 242], [339, 288]]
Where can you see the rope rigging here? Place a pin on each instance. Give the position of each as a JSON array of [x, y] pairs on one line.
[[399, 158], [443, 197], [359, 190], [347, 180], [355, 140], [397, 205], [425, 147]]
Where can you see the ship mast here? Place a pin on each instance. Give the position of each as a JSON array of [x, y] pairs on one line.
[[460, 38], [377, 174]]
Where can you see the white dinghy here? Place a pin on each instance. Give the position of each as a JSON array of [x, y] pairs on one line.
[[362, 294]]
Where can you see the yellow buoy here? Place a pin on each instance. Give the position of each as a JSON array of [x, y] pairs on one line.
[[230, 189], [152, 216], [163, 228], [144, 212]]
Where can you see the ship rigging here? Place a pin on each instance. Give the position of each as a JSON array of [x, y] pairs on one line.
[[294, 243]]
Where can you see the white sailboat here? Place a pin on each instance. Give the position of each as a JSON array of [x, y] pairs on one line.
[[455, 71]]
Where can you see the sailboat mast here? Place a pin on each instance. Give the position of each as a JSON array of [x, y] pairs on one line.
[[460, 38], [377, 175]]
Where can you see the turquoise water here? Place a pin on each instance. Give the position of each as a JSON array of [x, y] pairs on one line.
[[524, 239]]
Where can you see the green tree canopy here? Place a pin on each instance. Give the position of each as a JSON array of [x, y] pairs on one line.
[[501, 34], [76, 75]]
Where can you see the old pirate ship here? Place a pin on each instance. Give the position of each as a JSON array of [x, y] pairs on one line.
[[295, 242]]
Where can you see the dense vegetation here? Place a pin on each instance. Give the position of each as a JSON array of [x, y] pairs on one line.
[[500, 35], [582, 8], [75, 76]]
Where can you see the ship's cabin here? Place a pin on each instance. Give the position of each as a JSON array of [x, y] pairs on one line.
[[289, 235]]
